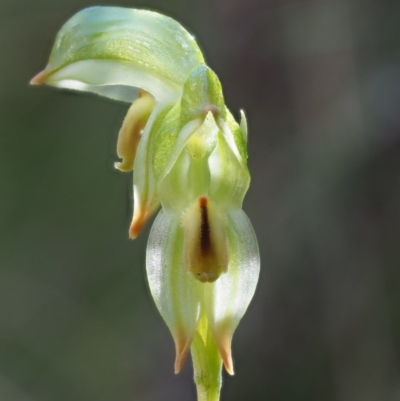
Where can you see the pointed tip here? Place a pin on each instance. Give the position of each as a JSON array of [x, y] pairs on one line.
[[140, 217], [226, 356], [224, 346], [228, 363], [39, 79], [138, 222], [182, 347], [243, 124]]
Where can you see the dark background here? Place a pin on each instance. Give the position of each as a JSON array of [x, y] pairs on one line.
[[320, 82]]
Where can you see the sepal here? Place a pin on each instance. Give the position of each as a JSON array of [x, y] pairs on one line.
[[176, 293], [112, 50], [226, 300], [229, 178], [145, 193]]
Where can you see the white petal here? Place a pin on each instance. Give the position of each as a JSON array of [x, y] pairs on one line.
[[227, 299], [176, 293]]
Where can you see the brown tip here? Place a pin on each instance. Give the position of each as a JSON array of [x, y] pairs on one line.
[[39, 78], [182, 351], [203, 201], [140, 217], [138, 222], [228, 363], [224, 346], [135, 228]]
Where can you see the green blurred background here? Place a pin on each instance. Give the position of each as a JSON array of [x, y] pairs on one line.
[[320, 82]]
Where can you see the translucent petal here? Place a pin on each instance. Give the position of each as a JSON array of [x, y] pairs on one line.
[[102, 46], [176, 293], [226, 300]]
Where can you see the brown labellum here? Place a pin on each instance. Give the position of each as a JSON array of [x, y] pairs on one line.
[[206, 245]]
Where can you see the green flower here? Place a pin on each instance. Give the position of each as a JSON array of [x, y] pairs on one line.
[[189, 156]]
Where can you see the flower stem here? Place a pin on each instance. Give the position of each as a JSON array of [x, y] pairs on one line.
[[207, 363]]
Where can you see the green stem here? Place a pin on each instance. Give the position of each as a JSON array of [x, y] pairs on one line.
[[207, 363]]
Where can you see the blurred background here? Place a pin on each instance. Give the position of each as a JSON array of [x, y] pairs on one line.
[[320, 82]]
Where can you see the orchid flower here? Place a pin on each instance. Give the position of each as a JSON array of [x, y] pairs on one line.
[[189, 156]]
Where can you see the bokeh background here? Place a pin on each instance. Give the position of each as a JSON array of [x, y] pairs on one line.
[[320, 82]]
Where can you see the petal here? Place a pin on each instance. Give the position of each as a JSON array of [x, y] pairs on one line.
[[226, 300], [114, 46], [176, 293], [169, 147], [174, 190], [201, 102], [129, 135], [243, 125], [234, 136], [145, 195], [230, 179], [181, 165]]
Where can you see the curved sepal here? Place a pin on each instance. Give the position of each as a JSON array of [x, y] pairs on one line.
[[106, 49], [226, 300], [176, 293], [145, 193]]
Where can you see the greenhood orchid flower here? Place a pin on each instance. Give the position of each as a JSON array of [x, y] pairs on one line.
[[189, 156]]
